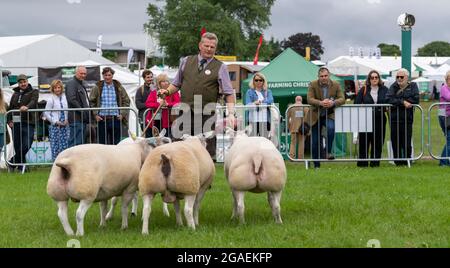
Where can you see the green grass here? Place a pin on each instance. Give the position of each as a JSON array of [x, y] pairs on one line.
[[337, 206]]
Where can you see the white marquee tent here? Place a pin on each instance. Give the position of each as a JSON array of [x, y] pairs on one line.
[[24, 54]]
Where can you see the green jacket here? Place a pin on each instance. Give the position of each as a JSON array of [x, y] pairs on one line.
[[95, 98]]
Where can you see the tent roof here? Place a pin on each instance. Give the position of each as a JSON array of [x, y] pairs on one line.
[[290, 66], [11, 43], [23, 54], [384, 64], [421, 79]]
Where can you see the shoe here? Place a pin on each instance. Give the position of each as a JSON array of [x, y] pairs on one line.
[[330, 157]]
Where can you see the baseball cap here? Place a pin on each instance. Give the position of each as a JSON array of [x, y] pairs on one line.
[[21, 77]]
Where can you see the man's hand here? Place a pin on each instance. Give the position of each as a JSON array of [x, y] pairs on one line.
[[163, 92], [231, 121], [98, 118], [327, 103], [407, 104], [23, 108], [120, 117], [10, 124]]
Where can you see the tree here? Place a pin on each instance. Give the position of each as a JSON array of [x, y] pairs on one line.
[[389, 49], [300, 41], [177, 25], [276, 48], [438, 48]]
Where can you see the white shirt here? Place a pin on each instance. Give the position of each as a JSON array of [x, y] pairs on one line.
[[55, 103], [374, 93], [261, 115]]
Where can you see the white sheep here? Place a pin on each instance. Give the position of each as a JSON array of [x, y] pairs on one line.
[[178, 170], [254, 164], [157, 140], [95, 173]]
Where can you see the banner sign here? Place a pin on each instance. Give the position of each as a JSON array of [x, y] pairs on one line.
[[288, 84], [47, 75]]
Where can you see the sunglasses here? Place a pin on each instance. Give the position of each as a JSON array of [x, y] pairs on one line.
[[400, 77], [374, 77], [259, 80]]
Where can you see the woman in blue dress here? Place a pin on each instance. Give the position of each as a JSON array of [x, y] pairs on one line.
[[59, 125]]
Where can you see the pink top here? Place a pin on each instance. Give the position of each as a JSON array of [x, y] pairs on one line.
[[445, 97], [153, 103]]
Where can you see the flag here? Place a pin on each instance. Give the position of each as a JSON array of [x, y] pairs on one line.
[[203, 31], [99, 44], [255, 60]]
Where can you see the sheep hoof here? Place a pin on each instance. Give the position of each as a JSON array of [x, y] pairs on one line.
[[144, 232], [108, 217], [70, 233], [123, 228], [133, 214]]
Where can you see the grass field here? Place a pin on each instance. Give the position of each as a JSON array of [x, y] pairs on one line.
[[337, 206]]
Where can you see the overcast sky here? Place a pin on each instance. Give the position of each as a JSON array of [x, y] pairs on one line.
[[339, 23]]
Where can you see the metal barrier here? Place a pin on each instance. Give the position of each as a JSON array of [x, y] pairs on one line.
[[445, 143], [249, 115], [33, 135], [368, 125]]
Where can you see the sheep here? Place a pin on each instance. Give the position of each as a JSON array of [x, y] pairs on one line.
[[179, 170], [95, 173], [254, 164], [157, 139]]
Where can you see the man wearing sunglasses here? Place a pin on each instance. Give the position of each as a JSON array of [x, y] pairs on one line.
[[402, 95]]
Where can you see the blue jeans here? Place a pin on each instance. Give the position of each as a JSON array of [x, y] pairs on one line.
[[446, 149], [2, 141], [76, 135], [317, 146]]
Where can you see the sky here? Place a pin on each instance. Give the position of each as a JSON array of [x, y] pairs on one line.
[[339, 23]]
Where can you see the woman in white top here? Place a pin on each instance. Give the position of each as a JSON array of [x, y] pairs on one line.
[[258, 95], [59, 124], [371, 142]]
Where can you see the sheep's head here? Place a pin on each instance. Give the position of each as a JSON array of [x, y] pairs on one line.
[[158, 138], [204, 138], [234, 135]]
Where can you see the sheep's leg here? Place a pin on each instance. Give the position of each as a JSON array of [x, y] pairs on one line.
[[111, 209], [240, 207], [62, 214], [103, 208], [234, 213], [274, 201], [166, 209], [188, 210], [126, 199], [146, 212], [134, 205], [81, 212], [176, 205], [198, 200]]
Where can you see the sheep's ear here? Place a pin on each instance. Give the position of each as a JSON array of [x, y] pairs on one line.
[[209, 135], [162, 133], [165, 140], [155, 131], [185, 136], [230, 132]]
